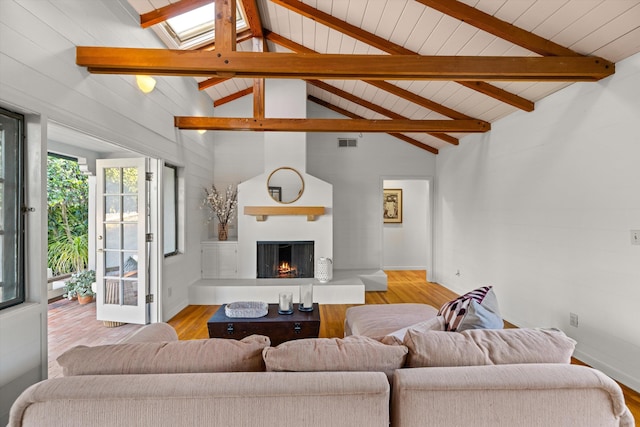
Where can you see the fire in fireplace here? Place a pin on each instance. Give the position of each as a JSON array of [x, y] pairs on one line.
[[291, 259]]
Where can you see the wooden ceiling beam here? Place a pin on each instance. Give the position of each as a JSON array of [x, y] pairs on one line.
[[347, 113], [211, 82], [328, 125], [225, 34], [392, 48], [418, 100], [108, 60], [388, 87], [170, 11], [505, 96], [252, 16], [374, 107], [499, 28], [232, 97], [259, 45]]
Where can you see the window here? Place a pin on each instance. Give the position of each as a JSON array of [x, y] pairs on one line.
[[170, 210], [12, 286], [195, 28]]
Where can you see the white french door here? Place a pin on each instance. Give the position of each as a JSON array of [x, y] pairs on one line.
[[122, 259]]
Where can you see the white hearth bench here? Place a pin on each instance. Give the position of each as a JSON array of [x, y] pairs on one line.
[[346, 287]]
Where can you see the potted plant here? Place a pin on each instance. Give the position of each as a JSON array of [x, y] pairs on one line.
[[80, 286], [70, 290]]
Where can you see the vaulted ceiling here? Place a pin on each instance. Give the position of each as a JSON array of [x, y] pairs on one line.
[[424, 71]]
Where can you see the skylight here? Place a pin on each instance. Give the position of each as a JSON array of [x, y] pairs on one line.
[[196, 28]]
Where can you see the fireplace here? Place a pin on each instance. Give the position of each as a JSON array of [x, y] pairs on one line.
[[284, 260]]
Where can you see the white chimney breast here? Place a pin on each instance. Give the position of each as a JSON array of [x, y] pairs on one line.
[[283, 99]]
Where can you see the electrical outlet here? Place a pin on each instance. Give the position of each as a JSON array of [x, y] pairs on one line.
[[635, 237], [573, 320], [169, 291]]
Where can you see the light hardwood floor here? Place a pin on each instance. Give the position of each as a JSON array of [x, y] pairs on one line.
[[403, 286]]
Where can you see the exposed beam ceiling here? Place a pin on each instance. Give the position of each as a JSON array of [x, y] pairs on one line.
[[499, 28], [388, 87], [377, 108], [395, 49], [430, 45], [110, 60], [349, 114]]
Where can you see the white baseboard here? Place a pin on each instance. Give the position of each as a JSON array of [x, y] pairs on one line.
[[629, 381], [170, 312]]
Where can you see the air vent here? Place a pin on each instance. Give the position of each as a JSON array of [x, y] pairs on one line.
[[347, 142]]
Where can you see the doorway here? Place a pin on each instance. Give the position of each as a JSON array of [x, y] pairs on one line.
[[407, 241], [69, 323]]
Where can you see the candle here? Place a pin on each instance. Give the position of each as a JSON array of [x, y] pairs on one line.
[[286, 300], [306, 295]]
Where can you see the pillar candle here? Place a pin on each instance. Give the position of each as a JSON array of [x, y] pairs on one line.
[[306, 295]]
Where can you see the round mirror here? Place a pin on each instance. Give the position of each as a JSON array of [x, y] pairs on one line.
[[285, 185]]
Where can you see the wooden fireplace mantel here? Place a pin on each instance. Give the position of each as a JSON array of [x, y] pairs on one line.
[[261, 212]]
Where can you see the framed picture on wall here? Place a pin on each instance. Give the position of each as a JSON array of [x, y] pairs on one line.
[[392, 205]]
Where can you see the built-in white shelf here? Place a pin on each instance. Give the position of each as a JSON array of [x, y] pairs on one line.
[[262, 212]]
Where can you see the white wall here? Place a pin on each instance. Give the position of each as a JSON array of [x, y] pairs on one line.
[[406, 246], [357, 175], [542, 206], [39, 78]]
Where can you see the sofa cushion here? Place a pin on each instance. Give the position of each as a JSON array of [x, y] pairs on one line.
[[352, 353], [487, 347], [459, 314], [191, 356]]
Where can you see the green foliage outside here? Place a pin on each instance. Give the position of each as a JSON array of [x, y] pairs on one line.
[[68, 195]]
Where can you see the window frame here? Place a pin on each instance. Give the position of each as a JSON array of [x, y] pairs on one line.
[[203, 37], [17, 251], [176, 213]]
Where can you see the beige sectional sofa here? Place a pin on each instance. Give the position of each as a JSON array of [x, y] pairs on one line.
[[152, 379]]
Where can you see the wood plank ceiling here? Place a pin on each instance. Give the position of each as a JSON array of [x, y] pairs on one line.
[[425, 71]]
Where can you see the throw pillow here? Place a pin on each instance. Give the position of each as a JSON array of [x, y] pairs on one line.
[[397, 337], [487, 347], [191, 356], [352, 353], [479, 317], [456, 311]]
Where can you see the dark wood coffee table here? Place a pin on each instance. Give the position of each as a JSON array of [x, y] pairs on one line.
[[278, 327]]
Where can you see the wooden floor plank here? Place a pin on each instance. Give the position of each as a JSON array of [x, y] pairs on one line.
[[403, 287]]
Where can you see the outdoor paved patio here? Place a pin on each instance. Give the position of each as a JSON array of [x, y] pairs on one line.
[[72, 324]]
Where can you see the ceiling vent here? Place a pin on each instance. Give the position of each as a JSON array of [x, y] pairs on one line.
[[347, 142]]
